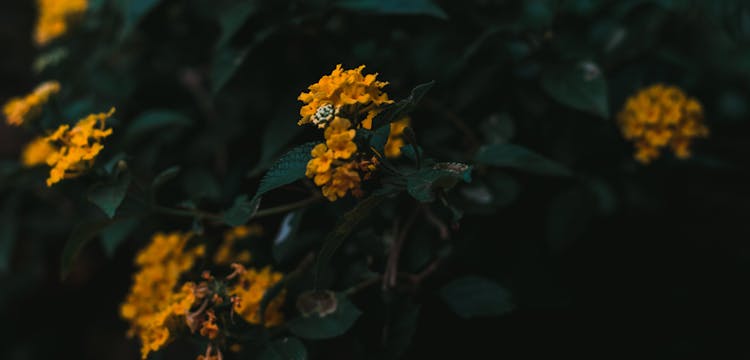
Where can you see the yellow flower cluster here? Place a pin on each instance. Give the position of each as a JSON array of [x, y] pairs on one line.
[[396, 138], [248, 292], [333, 166], [661, 116], [331, 104], [69, 151], [225, 254], [153, 304], [22, 109], [341, 88], [55, 16]]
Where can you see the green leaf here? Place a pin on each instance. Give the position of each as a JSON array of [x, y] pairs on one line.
[[241, 211], [401, 330], [580, 86], [232, 18], [277, 135], [165, 176], [329, 326], [423, 184], [225, 64], [288, 169], [228, 60], [394, 7], [132, 12], [114, 234], [155, 120], [288, 348], [380, 137], [80, 236], [473, 296], [518, 157], [109, 195], [344, 228], [397, 111]]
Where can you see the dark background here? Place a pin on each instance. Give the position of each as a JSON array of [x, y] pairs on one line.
[[623, 260]]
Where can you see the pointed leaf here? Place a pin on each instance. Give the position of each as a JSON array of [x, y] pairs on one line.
[[473, 296], [518, 157], [108, 196], [580, 86], [394, 7], [397, 111]]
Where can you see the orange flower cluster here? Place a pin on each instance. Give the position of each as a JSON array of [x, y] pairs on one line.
[[248, 292], [20, 110], [661, 116], [225, 253], [55, 17], [153, 304]]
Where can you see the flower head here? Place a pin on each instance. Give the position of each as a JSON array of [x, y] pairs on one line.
[[76, 148], [154, 299], [661, 116], [339, 89], [36, 152], [225, 253], [23, 109], [249, 290], [55, 17]]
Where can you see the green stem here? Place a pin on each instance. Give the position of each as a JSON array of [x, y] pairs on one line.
[[288, 207]]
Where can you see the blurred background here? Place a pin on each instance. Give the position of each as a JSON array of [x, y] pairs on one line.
[[620, 260]]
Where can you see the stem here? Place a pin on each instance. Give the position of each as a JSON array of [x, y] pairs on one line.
[[288, 207], [391, 271]]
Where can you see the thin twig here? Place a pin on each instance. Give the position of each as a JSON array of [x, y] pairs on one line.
[[391, 270], [288, 207]]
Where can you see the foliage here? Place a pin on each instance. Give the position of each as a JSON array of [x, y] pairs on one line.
[[492, 161]]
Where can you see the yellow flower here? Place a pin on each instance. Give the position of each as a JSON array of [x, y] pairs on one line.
[[661, 116], [225, 253], [22, 109], [319, 167], [339, 138], [339, 89], [395, 138], [153, 298], [36, 152], [343, 179], [249, 291], [76, 148], [55, 16]]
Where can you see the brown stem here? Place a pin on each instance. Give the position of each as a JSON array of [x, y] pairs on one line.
[[391, 271]]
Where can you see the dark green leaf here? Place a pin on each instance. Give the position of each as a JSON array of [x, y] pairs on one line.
[[288, 348], [423, 184], [165, 176], [156, 120], [277, 135], [344, 228], [132, 12], [225, 64], [241, 211], [401, 329], [79, 237], [394, 7], [580, 86], [329, 326], [380, 137], [114, 234], [108, 196], [288, 169], [232, 18], [397, 111], [474, 296], [517, 157]]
